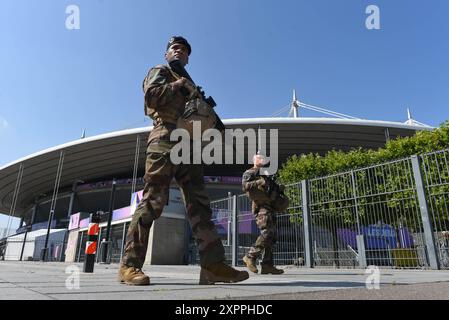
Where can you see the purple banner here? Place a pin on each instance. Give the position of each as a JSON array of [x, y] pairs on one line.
[[348, 236], [247, 223], [378, 237], [127, 212], [84, 223], [405, 238], [136, 198], [222, 179], [121, 213]]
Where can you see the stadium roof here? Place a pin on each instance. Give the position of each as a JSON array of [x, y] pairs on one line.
[[112, 155]]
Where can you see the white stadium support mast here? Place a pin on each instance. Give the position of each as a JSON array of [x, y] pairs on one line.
[[413, 122], [294, 106]]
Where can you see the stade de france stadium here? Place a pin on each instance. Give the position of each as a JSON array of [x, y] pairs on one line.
[[90, 165]]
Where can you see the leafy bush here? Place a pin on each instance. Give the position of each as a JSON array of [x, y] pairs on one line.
[[306, 166], [373, 182]]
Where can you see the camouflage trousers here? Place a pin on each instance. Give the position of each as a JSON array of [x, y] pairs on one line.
[[266, 222], [159, 173]]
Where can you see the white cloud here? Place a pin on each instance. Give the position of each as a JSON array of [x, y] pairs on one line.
[[3, 123]]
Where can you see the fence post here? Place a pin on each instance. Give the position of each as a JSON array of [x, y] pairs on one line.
[[307, 224], [361, 251], [228, 238], [234, 231], [427, 226], [360, 237]]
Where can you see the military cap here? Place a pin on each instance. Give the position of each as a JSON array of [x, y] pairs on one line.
[[181, 40]]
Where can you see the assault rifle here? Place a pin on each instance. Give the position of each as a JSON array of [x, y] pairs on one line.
[[178, 68], [271, 185], [270, 182]]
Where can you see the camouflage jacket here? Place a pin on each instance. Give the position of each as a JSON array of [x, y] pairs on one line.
[[162, 103], [254, 186], [251, 180]]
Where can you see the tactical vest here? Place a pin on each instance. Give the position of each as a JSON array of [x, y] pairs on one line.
[[184, 115], [196, 110]]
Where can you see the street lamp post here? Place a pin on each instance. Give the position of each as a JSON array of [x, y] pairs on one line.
[[105, 244]]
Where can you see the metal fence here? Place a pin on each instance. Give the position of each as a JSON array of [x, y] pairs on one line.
[[393, 215], [368, 216], [246, 228], [222, 218], [237, 228], [290, 236], [435, 168], [289, 247]]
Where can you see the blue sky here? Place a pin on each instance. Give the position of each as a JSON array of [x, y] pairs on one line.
[[248, 55]]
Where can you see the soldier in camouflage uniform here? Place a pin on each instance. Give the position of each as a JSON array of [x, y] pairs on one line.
[[254, 185], [165, 103]]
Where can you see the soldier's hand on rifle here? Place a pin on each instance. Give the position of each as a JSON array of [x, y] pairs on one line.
[[192, 89], [178, 84], [188, 89]]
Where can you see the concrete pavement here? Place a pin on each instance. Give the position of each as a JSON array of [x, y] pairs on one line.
[[59, 281]]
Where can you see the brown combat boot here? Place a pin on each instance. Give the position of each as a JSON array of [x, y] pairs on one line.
[[221, 272], [250, 264], [266, 269], [133, 276]]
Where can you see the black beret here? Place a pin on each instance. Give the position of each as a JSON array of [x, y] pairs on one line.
[[181, 40]]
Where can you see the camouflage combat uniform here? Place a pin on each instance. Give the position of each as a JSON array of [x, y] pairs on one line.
[[165, 105], [264, 214]]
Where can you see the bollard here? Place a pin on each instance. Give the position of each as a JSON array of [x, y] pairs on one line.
[[91, 243]]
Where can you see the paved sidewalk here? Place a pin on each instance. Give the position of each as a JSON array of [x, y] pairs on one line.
[[48, 281]]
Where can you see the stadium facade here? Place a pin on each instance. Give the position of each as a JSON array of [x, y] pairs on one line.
[[68, 182]]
